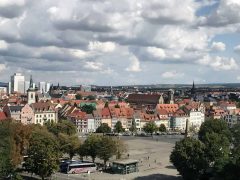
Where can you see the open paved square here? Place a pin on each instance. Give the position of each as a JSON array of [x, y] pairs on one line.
[[153, 155]]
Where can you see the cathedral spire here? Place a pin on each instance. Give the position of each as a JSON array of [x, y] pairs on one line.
[[31, 82]]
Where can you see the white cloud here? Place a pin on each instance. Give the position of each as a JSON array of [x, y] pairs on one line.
[[226, 13], [170, 11], [219, 63], [2, 67], [101, 46], [4, 3], [93, 66], [218, 46], [52, 10], [157, 52], [134, 65], [84, 36], [78, 53], [3, 45], [237, 48], [182, 38], [172, 74]]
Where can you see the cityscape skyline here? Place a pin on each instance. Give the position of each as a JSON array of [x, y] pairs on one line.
[[112, 43]]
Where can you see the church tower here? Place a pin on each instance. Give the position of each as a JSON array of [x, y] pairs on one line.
[[161, 100], [193, 90], [31, 92], [171, 96]]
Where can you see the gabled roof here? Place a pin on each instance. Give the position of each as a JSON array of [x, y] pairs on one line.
[[78, 114], [179, 113], [162, 112], [105, 112], [42, 106]]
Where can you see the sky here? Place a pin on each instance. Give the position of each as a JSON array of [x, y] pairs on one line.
[[121, 42]]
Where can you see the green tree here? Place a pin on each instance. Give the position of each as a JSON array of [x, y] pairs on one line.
[[106, 104], [43, 154], [63, 126], [5, 149], [117, 106], [91, 97], [121, 148], [217, 150], [106, 148], [150, 127], [14, 140], [133, 127], [69, 144], [90, 146], [21, 135], [214, 126], [230, 171], [118, 127], [162, 128], [78, 96], [236, 135], [88, 108], [188, 157], [103, 128]]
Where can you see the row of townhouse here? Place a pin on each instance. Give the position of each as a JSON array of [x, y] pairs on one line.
[[226, 111], [110, 115], [35, 113], [194, 115], [168, 114]]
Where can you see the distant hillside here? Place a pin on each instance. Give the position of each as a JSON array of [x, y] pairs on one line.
[[2, 84]]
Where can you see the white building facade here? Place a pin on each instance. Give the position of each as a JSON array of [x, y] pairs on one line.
[[196, 118], [17, 83]]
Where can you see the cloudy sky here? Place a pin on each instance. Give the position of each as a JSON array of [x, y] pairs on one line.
[[119, 42]]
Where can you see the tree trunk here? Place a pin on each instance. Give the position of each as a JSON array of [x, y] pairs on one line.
[[105, 164], [71, 155]]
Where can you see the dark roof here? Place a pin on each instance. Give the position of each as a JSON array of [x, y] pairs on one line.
[[56, 95], [144, 98], [126, 161], [15, 108], [42, 106]]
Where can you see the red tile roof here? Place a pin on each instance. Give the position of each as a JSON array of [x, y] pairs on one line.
[[170, 108], [78, 114], [105, 112], [2, 116]]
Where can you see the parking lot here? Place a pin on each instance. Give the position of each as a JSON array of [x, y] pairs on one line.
[[152, 154]]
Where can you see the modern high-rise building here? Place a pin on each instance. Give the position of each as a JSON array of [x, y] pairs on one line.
[[9, 87], [42, 87], [48, 85], [17, 83]]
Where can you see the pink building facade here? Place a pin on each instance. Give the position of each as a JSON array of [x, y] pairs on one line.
[[27, 115]]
